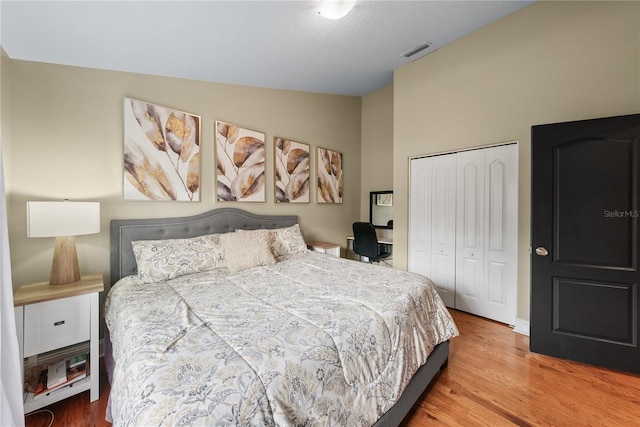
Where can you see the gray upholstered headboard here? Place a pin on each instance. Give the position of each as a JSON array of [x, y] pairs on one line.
[[223, 220]]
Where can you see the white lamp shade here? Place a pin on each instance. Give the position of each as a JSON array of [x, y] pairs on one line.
[[54, 219]]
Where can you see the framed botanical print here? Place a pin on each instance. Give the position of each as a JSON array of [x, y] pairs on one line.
[[291, 171], [330, 176], [161, 153], [240, 157]]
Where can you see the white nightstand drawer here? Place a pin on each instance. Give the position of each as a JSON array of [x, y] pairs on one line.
[[57, 323]]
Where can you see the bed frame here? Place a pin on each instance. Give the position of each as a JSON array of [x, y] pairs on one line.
[[222, 220]]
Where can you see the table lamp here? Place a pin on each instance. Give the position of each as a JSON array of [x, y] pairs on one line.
[[63, 220]]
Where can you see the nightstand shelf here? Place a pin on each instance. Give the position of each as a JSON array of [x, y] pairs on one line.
[[51, 317]]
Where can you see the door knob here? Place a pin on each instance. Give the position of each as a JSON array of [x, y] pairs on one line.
[[542, 251]]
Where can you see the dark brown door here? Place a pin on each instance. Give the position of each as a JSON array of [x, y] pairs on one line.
[[584, 236]]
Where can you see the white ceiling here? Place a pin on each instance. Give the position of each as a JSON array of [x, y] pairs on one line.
[[276, 44]]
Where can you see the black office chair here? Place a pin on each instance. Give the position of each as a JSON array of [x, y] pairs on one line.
[[365, 242]]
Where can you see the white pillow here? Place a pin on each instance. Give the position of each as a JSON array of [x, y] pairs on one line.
[[247, 249], [165, 259], [288, 241]]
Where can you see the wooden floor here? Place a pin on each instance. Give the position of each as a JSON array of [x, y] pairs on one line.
[[492, 380]]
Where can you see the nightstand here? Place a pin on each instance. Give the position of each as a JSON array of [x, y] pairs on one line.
[[52, 317], [325, 248]]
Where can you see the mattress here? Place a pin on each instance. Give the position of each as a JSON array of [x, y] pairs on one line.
[[311, 340]]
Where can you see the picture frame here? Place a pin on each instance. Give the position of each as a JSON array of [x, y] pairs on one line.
[[291, 171], [161, 159], [240, 158], [329, 176]]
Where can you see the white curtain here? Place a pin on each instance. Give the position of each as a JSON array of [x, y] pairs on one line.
[[11, 407]]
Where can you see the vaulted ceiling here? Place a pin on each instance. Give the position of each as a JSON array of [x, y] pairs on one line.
[[276, 44]]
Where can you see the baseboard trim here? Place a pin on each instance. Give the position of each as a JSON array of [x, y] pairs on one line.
[[521, 327]]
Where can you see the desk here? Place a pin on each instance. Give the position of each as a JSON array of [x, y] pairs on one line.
[[383, 240]]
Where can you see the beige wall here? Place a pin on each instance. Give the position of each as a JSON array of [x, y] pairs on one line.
[[5, 125], [66, 142], [377, 145], [550, 62]]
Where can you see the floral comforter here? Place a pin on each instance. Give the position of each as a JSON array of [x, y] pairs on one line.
[[313, 340]]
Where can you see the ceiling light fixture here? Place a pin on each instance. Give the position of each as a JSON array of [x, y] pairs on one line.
[[335, 9]]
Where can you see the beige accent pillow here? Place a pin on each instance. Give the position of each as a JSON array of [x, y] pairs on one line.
[[247, 249], [287, 241], [165, 259]]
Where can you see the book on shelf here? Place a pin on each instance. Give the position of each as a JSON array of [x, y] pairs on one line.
[[56, 374], [78, 360], [73, 369]]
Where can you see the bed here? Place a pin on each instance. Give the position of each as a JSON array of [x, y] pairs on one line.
[[199, 333]]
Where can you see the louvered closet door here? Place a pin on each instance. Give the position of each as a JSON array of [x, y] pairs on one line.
[[432, 222]]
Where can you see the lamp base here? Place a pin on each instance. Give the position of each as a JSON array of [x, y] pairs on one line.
[[65, 268]]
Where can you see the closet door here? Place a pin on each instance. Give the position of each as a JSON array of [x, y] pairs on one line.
[[487, 230], [432, 222], [420, 216], [470, 232], [501, 233], [463, 228]]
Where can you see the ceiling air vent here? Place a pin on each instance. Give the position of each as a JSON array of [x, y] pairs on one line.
[[410, 53]]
